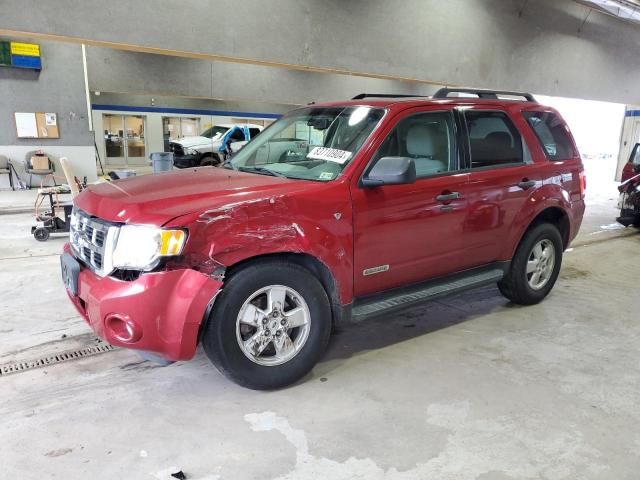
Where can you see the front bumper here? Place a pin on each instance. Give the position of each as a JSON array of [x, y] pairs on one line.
[[159, 312], [186, 161]]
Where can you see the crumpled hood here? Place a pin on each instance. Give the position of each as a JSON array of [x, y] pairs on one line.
[[158, 198], [192, 142]]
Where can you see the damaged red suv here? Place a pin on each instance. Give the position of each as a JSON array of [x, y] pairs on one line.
[[336, 212]]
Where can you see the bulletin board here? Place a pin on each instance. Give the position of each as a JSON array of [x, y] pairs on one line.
[[36, 125]]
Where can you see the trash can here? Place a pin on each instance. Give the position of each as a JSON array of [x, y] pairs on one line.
[[161, 161]]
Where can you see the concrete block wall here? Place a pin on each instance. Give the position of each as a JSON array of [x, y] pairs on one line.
[[553, 47]]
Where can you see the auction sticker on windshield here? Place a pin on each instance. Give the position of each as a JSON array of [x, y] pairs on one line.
[[329, 154]]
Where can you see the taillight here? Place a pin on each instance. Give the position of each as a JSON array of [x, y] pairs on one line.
[[627, 172], [583, 183]]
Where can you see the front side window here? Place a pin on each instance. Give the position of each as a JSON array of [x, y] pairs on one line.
[[311, 143], [428, 138], [493, 139], [552, 133]]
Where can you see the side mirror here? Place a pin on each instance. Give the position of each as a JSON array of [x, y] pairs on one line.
[[391, 171]]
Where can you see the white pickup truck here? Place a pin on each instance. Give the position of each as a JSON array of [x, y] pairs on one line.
[[203, 149]]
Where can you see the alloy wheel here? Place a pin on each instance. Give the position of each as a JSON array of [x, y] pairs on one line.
[[540, 264], [273, 325]]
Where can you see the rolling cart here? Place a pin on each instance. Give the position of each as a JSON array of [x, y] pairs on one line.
[[56, 217]]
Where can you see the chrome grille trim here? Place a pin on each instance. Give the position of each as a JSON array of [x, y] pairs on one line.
[[92, 241]]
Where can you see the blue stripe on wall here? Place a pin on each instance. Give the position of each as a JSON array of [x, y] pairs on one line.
[[632, 113], [188, 111]]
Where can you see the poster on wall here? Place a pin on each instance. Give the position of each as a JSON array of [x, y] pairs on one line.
[[20, 55], [36, 125], [26, 126]]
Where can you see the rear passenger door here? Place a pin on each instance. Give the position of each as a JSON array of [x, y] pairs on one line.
[[501, 178]]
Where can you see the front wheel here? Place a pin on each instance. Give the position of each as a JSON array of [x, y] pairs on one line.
[[535, 266], [210, 161], [269, 326]]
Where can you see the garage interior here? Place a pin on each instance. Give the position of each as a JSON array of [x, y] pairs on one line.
[[467, 386]]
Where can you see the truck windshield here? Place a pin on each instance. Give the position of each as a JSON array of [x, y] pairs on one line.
[[214, 131], [314, 143]]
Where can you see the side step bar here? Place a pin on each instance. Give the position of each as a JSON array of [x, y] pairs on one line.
[[406, 298]]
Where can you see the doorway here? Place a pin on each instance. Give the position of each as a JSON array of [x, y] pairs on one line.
[[124, 139]]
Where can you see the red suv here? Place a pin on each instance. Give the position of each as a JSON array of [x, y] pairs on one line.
[[336, 212]]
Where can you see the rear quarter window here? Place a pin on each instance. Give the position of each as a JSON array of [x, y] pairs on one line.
[[552, 133]]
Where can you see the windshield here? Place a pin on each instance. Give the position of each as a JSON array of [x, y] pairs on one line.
[[312, 143], [214, 132]]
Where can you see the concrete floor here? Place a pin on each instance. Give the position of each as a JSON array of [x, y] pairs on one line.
[[468, 387]]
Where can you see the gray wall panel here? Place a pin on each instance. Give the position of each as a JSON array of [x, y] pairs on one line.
[[484, 43], [142, 73]]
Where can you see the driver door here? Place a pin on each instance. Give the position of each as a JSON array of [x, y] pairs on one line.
[[405, 234]]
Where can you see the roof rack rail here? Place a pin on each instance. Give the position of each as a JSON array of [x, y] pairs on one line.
[[491, 94], [383, 95]]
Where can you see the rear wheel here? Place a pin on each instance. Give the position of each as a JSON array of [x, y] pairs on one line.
[[269, 326], [535, 266]]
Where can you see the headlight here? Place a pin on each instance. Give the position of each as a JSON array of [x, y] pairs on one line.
[[191, 151], [141, 247]]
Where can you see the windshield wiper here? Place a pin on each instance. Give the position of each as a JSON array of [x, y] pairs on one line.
[[262, 170]]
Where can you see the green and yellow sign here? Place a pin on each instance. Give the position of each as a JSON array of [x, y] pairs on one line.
[[20, 55]]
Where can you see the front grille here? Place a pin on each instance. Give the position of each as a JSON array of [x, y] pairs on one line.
[[176, 148], [88, 241]]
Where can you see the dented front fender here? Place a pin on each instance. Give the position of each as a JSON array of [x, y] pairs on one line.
[[310, 223]]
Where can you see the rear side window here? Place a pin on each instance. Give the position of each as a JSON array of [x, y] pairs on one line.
[[553, 135], [493, 139]]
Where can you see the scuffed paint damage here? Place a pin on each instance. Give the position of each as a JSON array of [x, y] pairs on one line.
[[262, 225], [240, 230]]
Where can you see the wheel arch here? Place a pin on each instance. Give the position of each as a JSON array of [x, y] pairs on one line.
[[554, 215], [311, 263]]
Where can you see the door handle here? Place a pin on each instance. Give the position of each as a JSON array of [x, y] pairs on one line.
[[526, 184], [446, 197]]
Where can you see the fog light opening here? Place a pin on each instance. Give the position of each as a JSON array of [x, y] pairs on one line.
[[123, 328]]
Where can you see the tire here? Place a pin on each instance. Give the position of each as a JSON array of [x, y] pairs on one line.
[[228, 342], [521, 286], [41, 234], [209, 160]]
